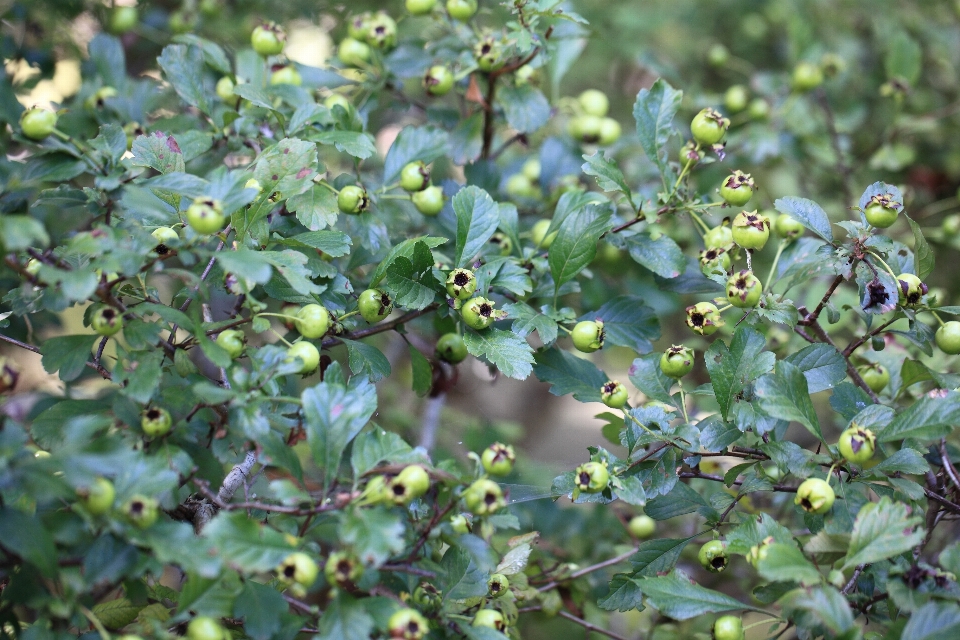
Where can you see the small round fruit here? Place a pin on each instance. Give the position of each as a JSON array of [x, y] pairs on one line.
[[106, 321], [156, 421], [815, 496], [286, 75], [912, 290], [342, 569], [490, 618], [381, 32], [592, 477], [313, 321], [374, 305], [414, 177], [461, 10], [709, 126], [751, 230], [744, 290], [37, 123], [538, 233], [451, 348], [267, 39], [704, 318], [408, 485], [483, 497], [352, 199], [718, 238], [728, 628], [735, 99], [459, 524], [497, 585], [532, 169], [526, 75], [737, 189], [498, 459], [438, 80], [205, 628], [759, 109], [231, 341], [141, 511], [806, 76], [478, 313], [353, 53], [99, 99], [461, 284], [594, 102], [948, 337], [586, 128], [788, 227], [857, 444], [420, 7], [881, 211], [718, 55], [407, 624], [614, 394], [298, 567], [164, 236], [502, 242], [122, 19], [588, 336], [714, 261], [358, 25], [875, 375], [205, 215], [337, 100], [713, 556], [97, 498], [427, 596], [609, 132], [677, 361], [307, 353], [759, 551], [429, 202], [642, 526], [488, 53]]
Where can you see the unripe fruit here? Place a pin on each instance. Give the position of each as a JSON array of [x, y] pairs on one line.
[[353, 53], [477, 313], [806, 76], [307, 353], [483, 497], [358, 25], [531, 169], [539, 234], [286, 75], [461, 284], [520, 186], [408, 485], [461, 10], [713, 556], [744, 290], [718, 238], [948, 337], [141, 511], [728, 628], [164, 236], [97, 498], [205, 628], [594, 103], [488, 53], [704, 318], [381, 32], [586, 128], [588, 336], [857, 444], [592, 477], [614, 394], [881, 211], [737, 189], [759, 551], [497, 585], [642, 526], [717, 55], [407, 624], [714, 261], [205, 215], [37, 123], [342, 569], [414, 176], [156, 421], [489, 618], [99, 99], [451, 348], [231, 341], [106, 321], [735, 99], [337, 99], [526, 75], [374, 305], [502, 242], [298, 567], [122, 20], [438, 80], [498, 459], [875, 375], [815, 496], [609, 132], [759, 109], [911, 290], [313, 321], [709, 126], [427, 596], [420, 7], [677, 361], [459, 524], [788, 227], [352, 199], [267, 39], [429, 202], [750, 230]]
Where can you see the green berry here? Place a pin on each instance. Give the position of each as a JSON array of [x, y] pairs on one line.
[[97, 497], [588, 336], [106, 321], [37, 123], [713, 556], [478, 313], [156, 422], [586, 128], [298, 568], [911, 290], [875, 375], [286, 75], [788, 227], [381, 32], [337, 100], [592, 477], [205, 628], [610, 131], [677, 361], [815, 496], [714, 261], [502, 242], [438, 80], [744, 290], [231, 341], [461, 284], [759, 551], [407, 624], [408, 485], [882, 211], [414, 177], [948, 337], [806, 76], [352, 199], [614, 394], [224, 89], [594, 103], [498, 459], [728, 628], [489, 54], [429, 202], [164, 236], [750, 230], [735, 99], [353, 53], [642, 526], [313, 321], [451, 348], [374, 305], [718, 238], [709, 126], [461, 10], [857, 444], [420, 7], [483, 497], [141, 511], [737, 189], [490, 618], [267, 39], [99, 99], [205, 215], [182, 22], [342, 569], [308, 355], [538, 233], [718, 55], [497, 585], [122, 19]]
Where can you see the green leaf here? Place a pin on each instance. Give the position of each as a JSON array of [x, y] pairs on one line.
[[158, 151], [405, 249], [732, 368], [422, 372], [461, 576], [786, 563], [291, 265], [654, 110], [413, 143], [926, 419], [477, 219], [655, 557], [933, 621], [373, 534], [288, 167], [213, 54], [822, 366], [529, 319], [246, 543], [608, 174], [661, 256], [566, 373], [576, 243], [106, 53], [681, 500], [406, 280], [679, 597], [376, 446], [334, 414], [507, 351], [809, 213], [332, 243], [67, 354], [882, 530], [624, 594], [524, 106], [22, 232], [903, 461], [260, 608], [904, 58], [183, 67], [345, 619], [366, 360], [357, 144], [784, 394], [923, 257], [116, 614], [645, 374], [27, 537], [753, 531], [316, 208], [716, 435], [818, 607], [257, 96], [139, 372], [627, 322]]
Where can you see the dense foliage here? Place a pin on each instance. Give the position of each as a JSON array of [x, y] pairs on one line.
[[269, 256]]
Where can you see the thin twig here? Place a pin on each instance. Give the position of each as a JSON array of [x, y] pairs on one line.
[[582, 572], [589, 626], [947, 465], [853, 579]]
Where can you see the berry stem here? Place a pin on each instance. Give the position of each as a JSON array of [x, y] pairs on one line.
[[885, 265], [278, 315], [937, 316], [683, 401], [768, 283], [347, 315], [703, 228], [282, 339]]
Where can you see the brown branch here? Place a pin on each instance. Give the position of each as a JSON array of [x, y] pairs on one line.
[[947, 465], [29, 347], [380, 328], [589, 626], [810, 318], [582, 572], [856, 344], [706, 476]]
